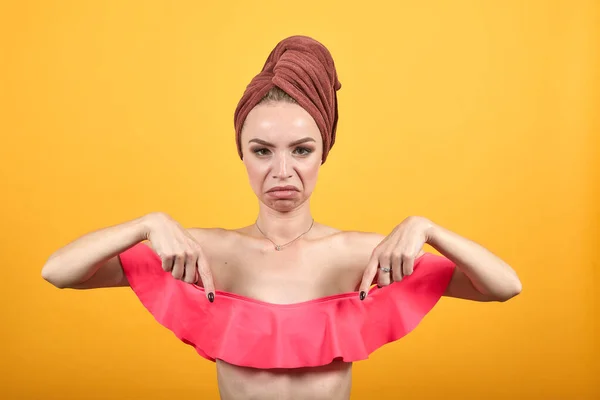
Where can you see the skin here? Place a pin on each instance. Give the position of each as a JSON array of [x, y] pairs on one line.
[[282, 146]]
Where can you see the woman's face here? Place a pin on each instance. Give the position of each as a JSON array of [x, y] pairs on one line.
[[282, 150]]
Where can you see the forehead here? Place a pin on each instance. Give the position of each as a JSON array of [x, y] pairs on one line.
[[279, 121]]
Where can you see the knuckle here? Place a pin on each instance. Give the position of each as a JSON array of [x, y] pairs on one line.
[[385, 257], [189, 254], [197, 251], [167, 263]]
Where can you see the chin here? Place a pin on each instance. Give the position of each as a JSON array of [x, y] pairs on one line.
[[286, 205], [283, 205]]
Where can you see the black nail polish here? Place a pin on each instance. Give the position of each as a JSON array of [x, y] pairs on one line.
[[211, 297], [363, 295]]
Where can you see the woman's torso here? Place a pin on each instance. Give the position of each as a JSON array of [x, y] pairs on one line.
[[325, 263]]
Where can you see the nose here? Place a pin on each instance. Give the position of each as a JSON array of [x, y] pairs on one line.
[[282, 168]]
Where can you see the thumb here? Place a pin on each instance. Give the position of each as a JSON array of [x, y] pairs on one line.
[[368, 276]]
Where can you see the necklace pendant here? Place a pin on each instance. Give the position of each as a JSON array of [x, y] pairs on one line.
[[278, 248]]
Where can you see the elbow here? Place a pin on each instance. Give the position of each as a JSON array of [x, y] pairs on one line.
[[49, 276], [512, 291]]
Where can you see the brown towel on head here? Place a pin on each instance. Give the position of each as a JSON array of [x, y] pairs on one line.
[[304, 69]]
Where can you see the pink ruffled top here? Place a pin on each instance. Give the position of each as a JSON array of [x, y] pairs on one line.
[[252, 333]]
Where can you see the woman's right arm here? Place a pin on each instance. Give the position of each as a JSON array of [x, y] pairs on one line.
[[92, 260]]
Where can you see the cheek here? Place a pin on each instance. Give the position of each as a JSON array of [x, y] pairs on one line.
[[256, 172], [310, 174]]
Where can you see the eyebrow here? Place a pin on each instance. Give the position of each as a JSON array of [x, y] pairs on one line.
[[295, 143]]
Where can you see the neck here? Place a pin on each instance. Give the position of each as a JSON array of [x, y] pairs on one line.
[[283, 227]]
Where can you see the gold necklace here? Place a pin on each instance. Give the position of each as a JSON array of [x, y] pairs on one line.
[[280, 247]]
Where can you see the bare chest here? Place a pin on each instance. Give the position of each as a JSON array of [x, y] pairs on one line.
[[295, 274]]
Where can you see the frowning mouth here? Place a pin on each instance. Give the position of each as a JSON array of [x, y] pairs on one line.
[[283, 192], [288, 188]]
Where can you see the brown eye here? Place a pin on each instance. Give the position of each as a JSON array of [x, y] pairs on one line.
[[303, 151], [260, 151]]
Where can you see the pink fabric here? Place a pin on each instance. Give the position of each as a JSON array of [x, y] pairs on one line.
[[252, 333]]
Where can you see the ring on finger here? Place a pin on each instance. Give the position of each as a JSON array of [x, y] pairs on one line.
[[385, 269]]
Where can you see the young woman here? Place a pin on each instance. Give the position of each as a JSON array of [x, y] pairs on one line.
[[285, 305]]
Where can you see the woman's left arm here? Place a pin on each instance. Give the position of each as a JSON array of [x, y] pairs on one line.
[[479, 275]]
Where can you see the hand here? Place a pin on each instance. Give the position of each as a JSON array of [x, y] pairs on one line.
[[394, 258], [181, 255]]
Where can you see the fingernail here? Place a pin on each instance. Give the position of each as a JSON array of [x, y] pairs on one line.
[[363, 295], [211, 297], [379, 286]]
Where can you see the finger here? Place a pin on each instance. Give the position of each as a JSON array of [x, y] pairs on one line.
[[167, 263], [396, 267], [189, 272], [178, 266], [408, 263], [206, 277], [368, 276], [384, 276]]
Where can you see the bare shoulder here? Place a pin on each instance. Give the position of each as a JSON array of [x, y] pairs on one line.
[[355, 248], [209, 234], [361, 241], [362, 244], [205, 236], [214, 238]]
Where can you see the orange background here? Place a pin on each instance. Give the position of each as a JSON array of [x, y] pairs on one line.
[[482, 116]]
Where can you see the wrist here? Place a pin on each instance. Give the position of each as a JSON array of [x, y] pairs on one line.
[[432, 233], [146, 224]]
